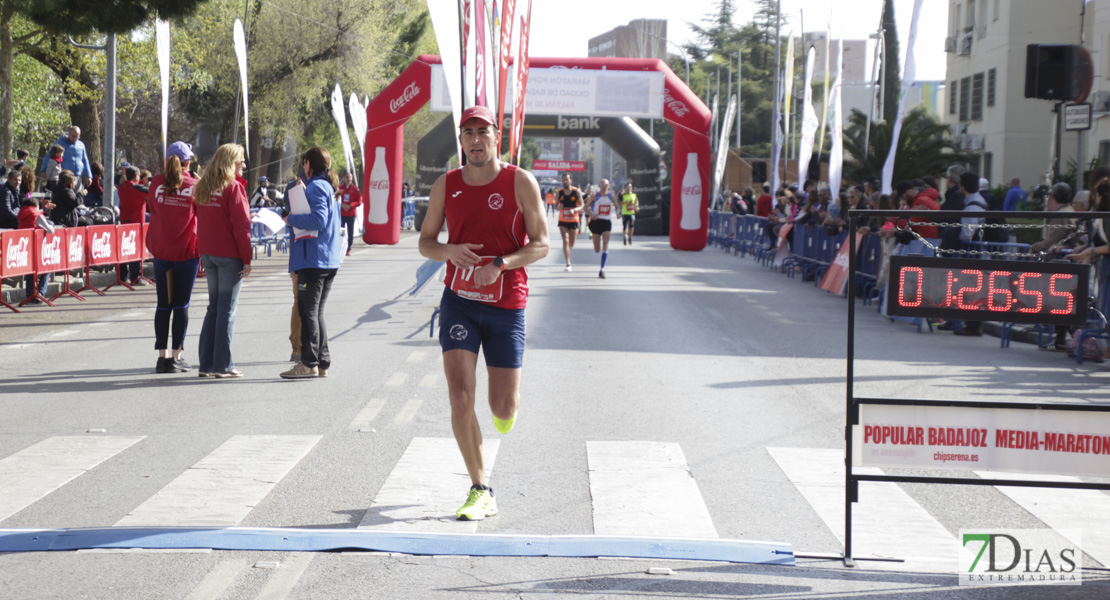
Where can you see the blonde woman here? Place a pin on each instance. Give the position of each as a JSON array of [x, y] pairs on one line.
[[224, 243]]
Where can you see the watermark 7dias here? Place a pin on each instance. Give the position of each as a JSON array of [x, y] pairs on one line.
[[1020, 557]]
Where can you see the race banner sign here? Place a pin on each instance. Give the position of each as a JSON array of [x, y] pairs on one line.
[[561, 91], [51, 254], [560, 165], [130, 242], [75, 245], [15, 252], [1058, 442], [102, 245]]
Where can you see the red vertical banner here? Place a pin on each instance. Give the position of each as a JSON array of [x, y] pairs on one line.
[[506, 53], [464, 43], [480, 53], [51, 254], [836, 277], [520, 85], [15, 252]]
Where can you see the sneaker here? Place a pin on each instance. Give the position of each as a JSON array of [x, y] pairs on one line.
[[348, 253], [203, 375], [301, 371], [140, 281], [178, 365], [226, 374], [601, 274], [163, 365], [505, 426], [322, 372], [567, 268], [479, 504]]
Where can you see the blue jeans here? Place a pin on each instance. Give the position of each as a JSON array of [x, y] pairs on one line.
[[29, 284], [223, 278]]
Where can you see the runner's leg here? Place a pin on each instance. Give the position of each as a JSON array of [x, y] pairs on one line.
[[504, 391], [459, 366]]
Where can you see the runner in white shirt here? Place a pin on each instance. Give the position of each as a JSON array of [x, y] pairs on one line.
[[600, 212]]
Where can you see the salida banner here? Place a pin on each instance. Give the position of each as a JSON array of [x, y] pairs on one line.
[[1062, 442], [560, 165]]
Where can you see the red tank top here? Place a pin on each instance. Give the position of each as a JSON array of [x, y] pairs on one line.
[[488, 215]]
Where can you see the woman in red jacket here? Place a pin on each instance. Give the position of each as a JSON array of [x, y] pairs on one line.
[[224, 243], [172, 239]]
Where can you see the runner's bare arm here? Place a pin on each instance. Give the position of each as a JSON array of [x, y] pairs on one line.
[[535, 224], [461, 255]]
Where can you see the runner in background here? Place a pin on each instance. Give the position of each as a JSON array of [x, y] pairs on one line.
[[570, 205], [630, 205], [600, 212], [587, 191], [495, 226], [549, 198]]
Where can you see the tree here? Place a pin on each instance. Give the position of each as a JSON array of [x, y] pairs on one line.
[[925, 146], [892, 72]]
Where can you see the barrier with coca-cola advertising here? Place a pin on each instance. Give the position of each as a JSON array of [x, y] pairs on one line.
[[102, 250], [388, 112], [16, 256], [129, 248], [75, 258]]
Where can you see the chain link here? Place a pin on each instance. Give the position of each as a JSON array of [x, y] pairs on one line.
[[1008, 253]]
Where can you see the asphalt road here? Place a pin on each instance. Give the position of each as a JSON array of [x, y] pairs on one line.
[[712, 378]]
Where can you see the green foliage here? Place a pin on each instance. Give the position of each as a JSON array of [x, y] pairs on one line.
[[39, 112], [925, 146], [1068, 176], [115, 16]]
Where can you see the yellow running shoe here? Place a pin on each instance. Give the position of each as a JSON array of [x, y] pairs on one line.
[[506, 425], [479, 504]]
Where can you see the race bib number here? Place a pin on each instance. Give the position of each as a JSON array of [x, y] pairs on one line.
[[603, 210], [568, 215], [463, 284]]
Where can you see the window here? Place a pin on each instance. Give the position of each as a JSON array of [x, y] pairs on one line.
[[965, 98], [953, 90], [977, 97], [970, 26], [991, 76], [988, 164], [954, 20], [973, 163], [1104, 152]]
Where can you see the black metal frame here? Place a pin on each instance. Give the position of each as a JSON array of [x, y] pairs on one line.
[[851, 491]]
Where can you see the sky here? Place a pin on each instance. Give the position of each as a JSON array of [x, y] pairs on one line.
[[564, 27]]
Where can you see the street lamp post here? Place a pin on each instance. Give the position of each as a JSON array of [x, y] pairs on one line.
[[109, 48]]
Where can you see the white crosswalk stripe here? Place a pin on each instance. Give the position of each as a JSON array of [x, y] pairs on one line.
[[887, 522], [425, 488], [225, 485], [645, 488], [30, 474], [1064, 510]]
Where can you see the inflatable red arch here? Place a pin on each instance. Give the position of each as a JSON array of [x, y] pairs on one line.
[[397, 103]]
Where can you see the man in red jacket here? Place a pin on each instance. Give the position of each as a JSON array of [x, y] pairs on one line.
[[132, 209], [764, 205], [350, 199]]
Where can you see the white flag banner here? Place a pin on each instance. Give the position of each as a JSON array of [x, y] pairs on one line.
[[809, 117], [162, 35], [240, 40], [444, 16], [358, 120], [836, 126], [909, 74], [340, 115], [722, 151], [788, 91], [776, 144]]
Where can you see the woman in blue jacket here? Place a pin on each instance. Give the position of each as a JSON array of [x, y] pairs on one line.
[[314, 256]]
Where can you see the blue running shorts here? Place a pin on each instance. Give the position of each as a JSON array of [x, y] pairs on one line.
[[470, 325]]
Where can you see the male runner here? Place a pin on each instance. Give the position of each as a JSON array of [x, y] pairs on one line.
[[496, 226], [570, 203], [600, 213], [629, 207]]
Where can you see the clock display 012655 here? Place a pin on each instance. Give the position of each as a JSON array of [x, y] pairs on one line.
[[988, 290]]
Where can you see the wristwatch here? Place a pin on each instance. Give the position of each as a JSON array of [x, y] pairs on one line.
[[499, 263]]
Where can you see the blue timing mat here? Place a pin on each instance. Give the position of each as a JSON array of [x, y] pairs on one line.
[[319, 540]]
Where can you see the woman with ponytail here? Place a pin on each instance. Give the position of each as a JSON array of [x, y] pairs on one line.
[[224, 242], [172, 240], [315, 258]]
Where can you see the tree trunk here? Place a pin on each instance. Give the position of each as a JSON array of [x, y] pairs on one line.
[[86, 115], [7, 50]]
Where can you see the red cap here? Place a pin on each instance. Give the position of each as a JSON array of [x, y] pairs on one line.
[[482, 113]]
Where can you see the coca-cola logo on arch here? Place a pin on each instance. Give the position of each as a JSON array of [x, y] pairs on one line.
[[50, 250], [18, 253], [677, 106], [410, 92]]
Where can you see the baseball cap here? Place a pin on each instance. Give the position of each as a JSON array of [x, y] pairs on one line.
[[263, 178], [124, 164], [482, 113], [181, 150]]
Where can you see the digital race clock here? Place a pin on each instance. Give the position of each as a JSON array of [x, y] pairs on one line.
[[988, 290]]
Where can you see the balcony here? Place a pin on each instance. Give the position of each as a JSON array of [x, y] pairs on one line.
[[965, 45], [950, 43]]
